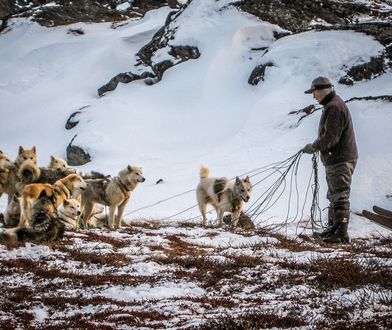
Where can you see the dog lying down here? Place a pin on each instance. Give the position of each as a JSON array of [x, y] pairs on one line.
[[44, 226]]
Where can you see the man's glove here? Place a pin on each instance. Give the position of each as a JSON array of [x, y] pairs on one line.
[[309, 149]]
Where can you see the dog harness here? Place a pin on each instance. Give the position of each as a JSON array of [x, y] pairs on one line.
[[122, 187]]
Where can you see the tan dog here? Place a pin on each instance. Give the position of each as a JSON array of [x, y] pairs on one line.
[[5, 164], [113, 192], [4, 160], [25, 154], [62, 189], [10, 176], [224, 195], [57, 163]]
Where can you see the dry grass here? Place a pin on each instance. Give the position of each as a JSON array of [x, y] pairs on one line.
[[248, 286]]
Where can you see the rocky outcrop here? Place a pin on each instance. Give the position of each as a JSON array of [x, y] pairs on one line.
[[76, 156], [258, 73], [322, 15], [125, 78], [154, 70], [7, 8], [297, 16], [369, 70], [61, 12]]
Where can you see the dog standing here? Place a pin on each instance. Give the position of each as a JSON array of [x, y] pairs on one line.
[[112, 192], [10, 176], [26, 154], [72, 184], [223, 194]]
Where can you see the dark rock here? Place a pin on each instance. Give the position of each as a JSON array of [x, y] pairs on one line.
[[76, 32], [76, 156], [368, 70], [346, 81], [68, 12], [258, 73], [7, 8], [70, 121], [278, 35], [161, 67], [295, 16], [125, 78], [184, 53], [159, 181]]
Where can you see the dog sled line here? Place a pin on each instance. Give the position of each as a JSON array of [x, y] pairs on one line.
[[76, 197], [28, 181]]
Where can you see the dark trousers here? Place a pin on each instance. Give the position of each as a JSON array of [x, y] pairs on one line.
[[339, 184]]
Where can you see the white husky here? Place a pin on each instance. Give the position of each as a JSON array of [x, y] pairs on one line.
[[223, 194]]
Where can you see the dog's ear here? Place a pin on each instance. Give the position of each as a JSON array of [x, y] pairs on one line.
[[66, 203], [15, 198], [51, 159], [247, 179], [129, 168], [34, 150], [237, 180], [20, 150], [1, 152], [43, 194]]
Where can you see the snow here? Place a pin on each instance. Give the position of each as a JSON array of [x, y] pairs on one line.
[[202, 112], [147, 292]]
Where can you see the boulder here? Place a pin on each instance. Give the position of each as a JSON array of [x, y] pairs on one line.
[[258, 73], [76, 156]]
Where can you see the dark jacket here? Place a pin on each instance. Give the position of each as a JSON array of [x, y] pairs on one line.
[[336, 138]]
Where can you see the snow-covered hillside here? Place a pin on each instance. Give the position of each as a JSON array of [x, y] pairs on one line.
[[203, 111], [164, 270]]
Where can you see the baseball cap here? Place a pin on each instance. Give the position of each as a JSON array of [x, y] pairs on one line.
[[319, 83]]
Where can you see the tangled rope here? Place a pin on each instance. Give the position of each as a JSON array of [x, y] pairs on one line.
[[286, 180]]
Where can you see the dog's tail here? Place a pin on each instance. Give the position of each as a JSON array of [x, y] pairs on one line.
[[204, 172], [29, 172]]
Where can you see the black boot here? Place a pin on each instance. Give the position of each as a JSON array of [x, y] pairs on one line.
[[330, 215], [326, 232], [340, 235], [331, 227]]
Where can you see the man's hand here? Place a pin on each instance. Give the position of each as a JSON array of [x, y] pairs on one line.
[[309, 149]]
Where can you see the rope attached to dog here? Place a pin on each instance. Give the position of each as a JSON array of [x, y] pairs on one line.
[[287, 171]]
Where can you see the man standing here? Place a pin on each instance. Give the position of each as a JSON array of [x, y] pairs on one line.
[[339, 154]]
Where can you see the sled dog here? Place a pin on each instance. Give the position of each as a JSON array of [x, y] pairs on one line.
[[223, 194], [10, 174], [5, 164], [112, 192], [12, 213], [57, 163], [69, 211], [44, 224], [62, 189], [25, 154]]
